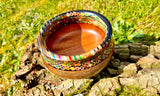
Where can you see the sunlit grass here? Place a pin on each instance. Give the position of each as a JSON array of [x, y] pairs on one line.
[[22, 19]]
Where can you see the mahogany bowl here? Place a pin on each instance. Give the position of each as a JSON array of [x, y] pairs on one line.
[[76, 44]]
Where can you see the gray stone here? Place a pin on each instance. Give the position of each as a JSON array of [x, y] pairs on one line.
[[150, 91], [104, 87], [39, 90], [112, 71], [135, 49], [129, 82], [155, 50], [122, 51], [119, 48], [157, 43], [129, 70], [123, 46], [151, 50], [149, 62], [30, 47], [47, 84], [157, 87], [67, 84], [122, 65], [70, 86], [144, 50], [124, 56], [138, 49], [80, 82], [17, 92], [114, 63], [148, 80], [135, 58], [26, 56], [23, 71]]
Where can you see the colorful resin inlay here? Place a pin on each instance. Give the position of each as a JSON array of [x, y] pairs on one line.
[[82, 64], [66, 19]]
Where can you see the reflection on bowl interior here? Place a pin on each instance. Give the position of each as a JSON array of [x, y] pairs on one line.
[[75, 39]]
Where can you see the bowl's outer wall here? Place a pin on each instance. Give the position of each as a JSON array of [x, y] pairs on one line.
[[86, 73], [83, 73]]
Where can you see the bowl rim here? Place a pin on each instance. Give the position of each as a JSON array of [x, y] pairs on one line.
[[51, 55]]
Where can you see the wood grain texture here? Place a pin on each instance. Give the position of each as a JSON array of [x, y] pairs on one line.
[[75, 39], [83, 73]]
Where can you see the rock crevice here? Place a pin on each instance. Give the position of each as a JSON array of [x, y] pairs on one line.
[[133, 67]]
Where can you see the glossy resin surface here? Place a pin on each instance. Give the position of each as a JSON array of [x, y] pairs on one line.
[[75, 39]]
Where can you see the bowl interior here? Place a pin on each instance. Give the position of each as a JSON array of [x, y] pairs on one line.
[[74, 39], [74, 35]]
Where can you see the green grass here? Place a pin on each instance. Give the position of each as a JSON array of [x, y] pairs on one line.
[[20, 21]]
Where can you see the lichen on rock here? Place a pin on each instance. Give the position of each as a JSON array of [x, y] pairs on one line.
[[133, 70], [104, 87]]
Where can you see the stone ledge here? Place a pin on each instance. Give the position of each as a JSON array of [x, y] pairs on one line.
[[126, 71]]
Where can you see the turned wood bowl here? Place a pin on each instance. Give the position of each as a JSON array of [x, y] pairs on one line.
[[76, 44]]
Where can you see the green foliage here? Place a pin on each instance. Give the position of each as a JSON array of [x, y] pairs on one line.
[[124, 32], [132, 21]]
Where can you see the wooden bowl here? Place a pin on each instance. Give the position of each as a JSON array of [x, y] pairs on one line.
[[76, 44]]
